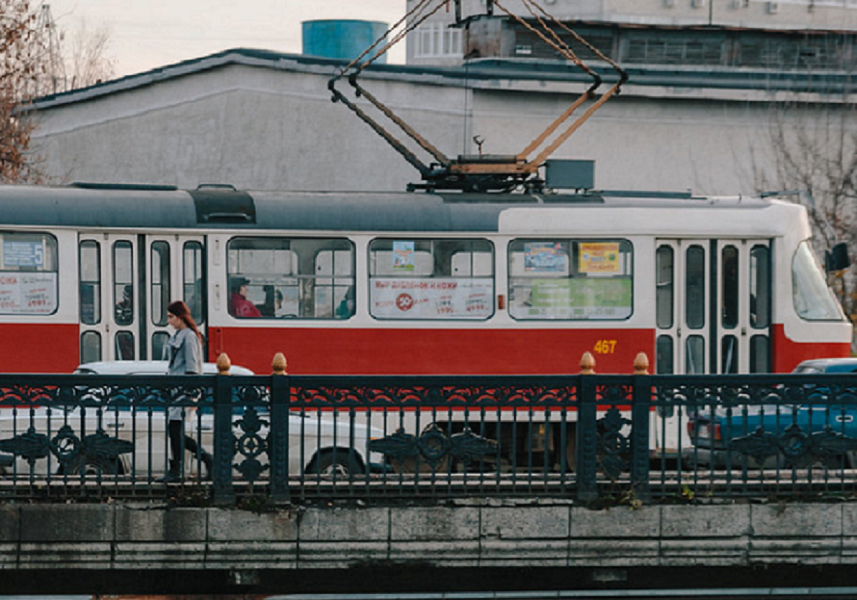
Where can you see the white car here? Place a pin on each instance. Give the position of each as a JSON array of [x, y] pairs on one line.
[[316, 446]]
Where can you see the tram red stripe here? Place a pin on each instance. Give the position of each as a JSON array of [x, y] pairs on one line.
[[788, 353], [435, 351], [39, 348]]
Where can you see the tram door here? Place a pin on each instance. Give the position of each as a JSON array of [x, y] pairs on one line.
[[713, 307], [126, 283]]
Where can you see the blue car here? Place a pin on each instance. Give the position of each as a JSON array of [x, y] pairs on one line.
[[798, 424]]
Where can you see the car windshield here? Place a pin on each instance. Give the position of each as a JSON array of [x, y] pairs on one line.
[[813, 300]]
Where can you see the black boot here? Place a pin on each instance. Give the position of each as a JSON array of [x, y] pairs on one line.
[[208, 461], [173, 474]]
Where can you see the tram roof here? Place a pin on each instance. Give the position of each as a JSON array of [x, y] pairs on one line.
[[218, 207]]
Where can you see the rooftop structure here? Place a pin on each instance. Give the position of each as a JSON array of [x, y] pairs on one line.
[[735, 33]]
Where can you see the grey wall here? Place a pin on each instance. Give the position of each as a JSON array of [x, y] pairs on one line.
[[276, 128], [253, 127], [140, 547]]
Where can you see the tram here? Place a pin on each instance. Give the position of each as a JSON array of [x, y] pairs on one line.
[[409, 283], [413, 283]]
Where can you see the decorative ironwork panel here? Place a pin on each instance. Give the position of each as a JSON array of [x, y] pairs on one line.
[[614, 446], [434, 446], [798, 446], [250, 444], [472, 393], [66, 446]]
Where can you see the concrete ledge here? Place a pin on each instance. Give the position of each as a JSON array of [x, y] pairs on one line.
[[475, 535]]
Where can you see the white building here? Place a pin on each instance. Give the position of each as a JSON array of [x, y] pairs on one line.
[[263, 120]]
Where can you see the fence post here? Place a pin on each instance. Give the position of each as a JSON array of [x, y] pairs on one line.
[[587, 435], [224, 492], [279, 435], [640, 415]]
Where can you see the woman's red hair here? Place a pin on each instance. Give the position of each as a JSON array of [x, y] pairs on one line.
[[181, 311]]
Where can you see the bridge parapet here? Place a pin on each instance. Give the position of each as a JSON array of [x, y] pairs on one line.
[[590, 437]]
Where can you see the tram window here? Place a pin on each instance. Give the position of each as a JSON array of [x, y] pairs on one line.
[[813, 300], [729, 286], [124, 345], [729, 354], [334, 281], [760, 287], [192, 280], [123, 282], [28, 274], [290, 277], [160, 291], [665, 273], [159, 345], [431, 279], [665, 355], [695, 292], [570, 279], [760, 354], [90, 282], [694, 355], [90, 346]]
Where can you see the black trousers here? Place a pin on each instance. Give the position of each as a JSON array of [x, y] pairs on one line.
[[176, 432]]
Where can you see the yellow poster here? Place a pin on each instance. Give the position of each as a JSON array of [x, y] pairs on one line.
[[599, 258]]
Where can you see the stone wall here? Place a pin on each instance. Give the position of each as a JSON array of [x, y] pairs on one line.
[[144, 547]]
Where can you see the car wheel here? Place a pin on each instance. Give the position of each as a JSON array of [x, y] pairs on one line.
[[94, 466], [342, 462]]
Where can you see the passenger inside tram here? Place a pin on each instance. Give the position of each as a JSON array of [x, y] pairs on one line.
[[346, 308], [239, 305]]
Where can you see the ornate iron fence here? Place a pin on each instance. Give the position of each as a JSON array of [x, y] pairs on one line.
[[592, 438]]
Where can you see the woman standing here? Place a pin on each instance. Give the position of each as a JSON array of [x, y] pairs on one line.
[[184, 352]]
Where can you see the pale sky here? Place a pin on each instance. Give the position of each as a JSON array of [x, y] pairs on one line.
[[145, 34]]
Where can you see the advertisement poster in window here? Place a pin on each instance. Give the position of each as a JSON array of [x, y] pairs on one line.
[[545, 257], [574, 299], [403, 256], [601, 257], [23, 254], [436, 298], [28, 293]]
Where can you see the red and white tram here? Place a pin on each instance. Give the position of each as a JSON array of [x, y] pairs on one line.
[[409, 283]]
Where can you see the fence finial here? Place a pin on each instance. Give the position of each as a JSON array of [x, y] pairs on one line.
[[587, 364], [223, 364], [641, 364], [279, 364]]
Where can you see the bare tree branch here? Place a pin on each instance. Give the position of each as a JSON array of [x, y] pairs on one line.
[[18, 66], [814, 149]]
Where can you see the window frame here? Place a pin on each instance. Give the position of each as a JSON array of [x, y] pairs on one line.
[[98, 284], [342, 241], [50, 244], [490, 295], [808, 284], [571, 243]]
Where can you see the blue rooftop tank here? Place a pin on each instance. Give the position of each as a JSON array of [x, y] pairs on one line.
[[341, 38]]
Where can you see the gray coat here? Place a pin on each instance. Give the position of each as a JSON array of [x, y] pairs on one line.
[[184, 353]]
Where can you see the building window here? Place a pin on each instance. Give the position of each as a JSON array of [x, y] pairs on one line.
[[437, 40]]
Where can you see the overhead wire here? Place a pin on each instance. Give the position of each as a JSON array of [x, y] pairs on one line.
[[521, 166]]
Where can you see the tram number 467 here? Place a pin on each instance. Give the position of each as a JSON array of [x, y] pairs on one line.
[[605, 346]]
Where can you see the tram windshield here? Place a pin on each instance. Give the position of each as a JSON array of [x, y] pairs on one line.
[[813, 300]]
